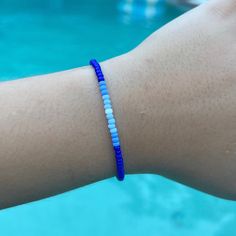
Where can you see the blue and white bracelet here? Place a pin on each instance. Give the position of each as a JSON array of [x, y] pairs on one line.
[[110, 119]]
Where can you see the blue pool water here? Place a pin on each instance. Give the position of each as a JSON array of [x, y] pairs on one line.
[[42, 36]]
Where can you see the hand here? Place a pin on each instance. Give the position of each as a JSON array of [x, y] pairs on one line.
[[184, 100]]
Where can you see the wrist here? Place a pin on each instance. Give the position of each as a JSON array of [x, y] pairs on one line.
[[137, 124]]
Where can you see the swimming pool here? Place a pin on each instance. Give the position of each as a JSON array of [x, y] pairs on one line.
[[42, 36]]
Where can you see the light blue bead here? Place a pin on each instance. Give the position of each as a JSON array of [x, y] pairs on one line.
[[106, 97], [102, 83], [103, 87], [109, 116], [107, 106], [111, 126], [116, 144], [107, 102], [109, 111], [104, 92], [114, 130], [115, 140], [111, 121]]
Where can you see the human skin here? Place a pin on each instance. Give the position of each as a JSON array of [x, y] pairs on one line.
[[174, 101]]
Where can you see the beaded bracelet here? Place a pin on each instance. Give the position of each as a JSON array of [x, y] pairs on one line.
[[110, 119]]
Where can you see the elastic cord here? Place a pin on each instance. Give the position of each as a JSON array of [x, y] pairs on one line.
[[110, 119]]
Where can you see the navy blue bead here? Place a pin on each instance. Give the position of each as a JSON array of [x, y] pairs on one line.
[[119, 156], [117, 148], [120, 172], [119, 161], [93, 62], [117, 151], [100, 79]]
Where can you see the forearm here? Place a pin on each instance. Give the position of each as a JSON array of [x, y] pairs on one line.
[[54, 133]]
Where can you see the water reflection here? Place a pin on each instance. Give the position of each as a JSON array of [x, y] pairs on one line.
[[176, 206], [147, 12]]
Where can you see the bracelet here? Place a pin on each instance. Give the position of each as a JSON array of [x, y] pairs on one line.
[[110, 119]]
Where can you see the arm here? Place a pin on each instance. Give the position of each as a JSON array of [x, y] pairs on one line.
[[175, 104]]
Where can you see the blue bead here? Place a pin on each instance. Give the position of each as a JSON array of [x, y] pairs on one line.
[[114, 135], [103, 89], [104, 92], [111, 121], [114, 130], [103, 86], [102, 83], [116, 144], [111, 126], [115, 139]]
